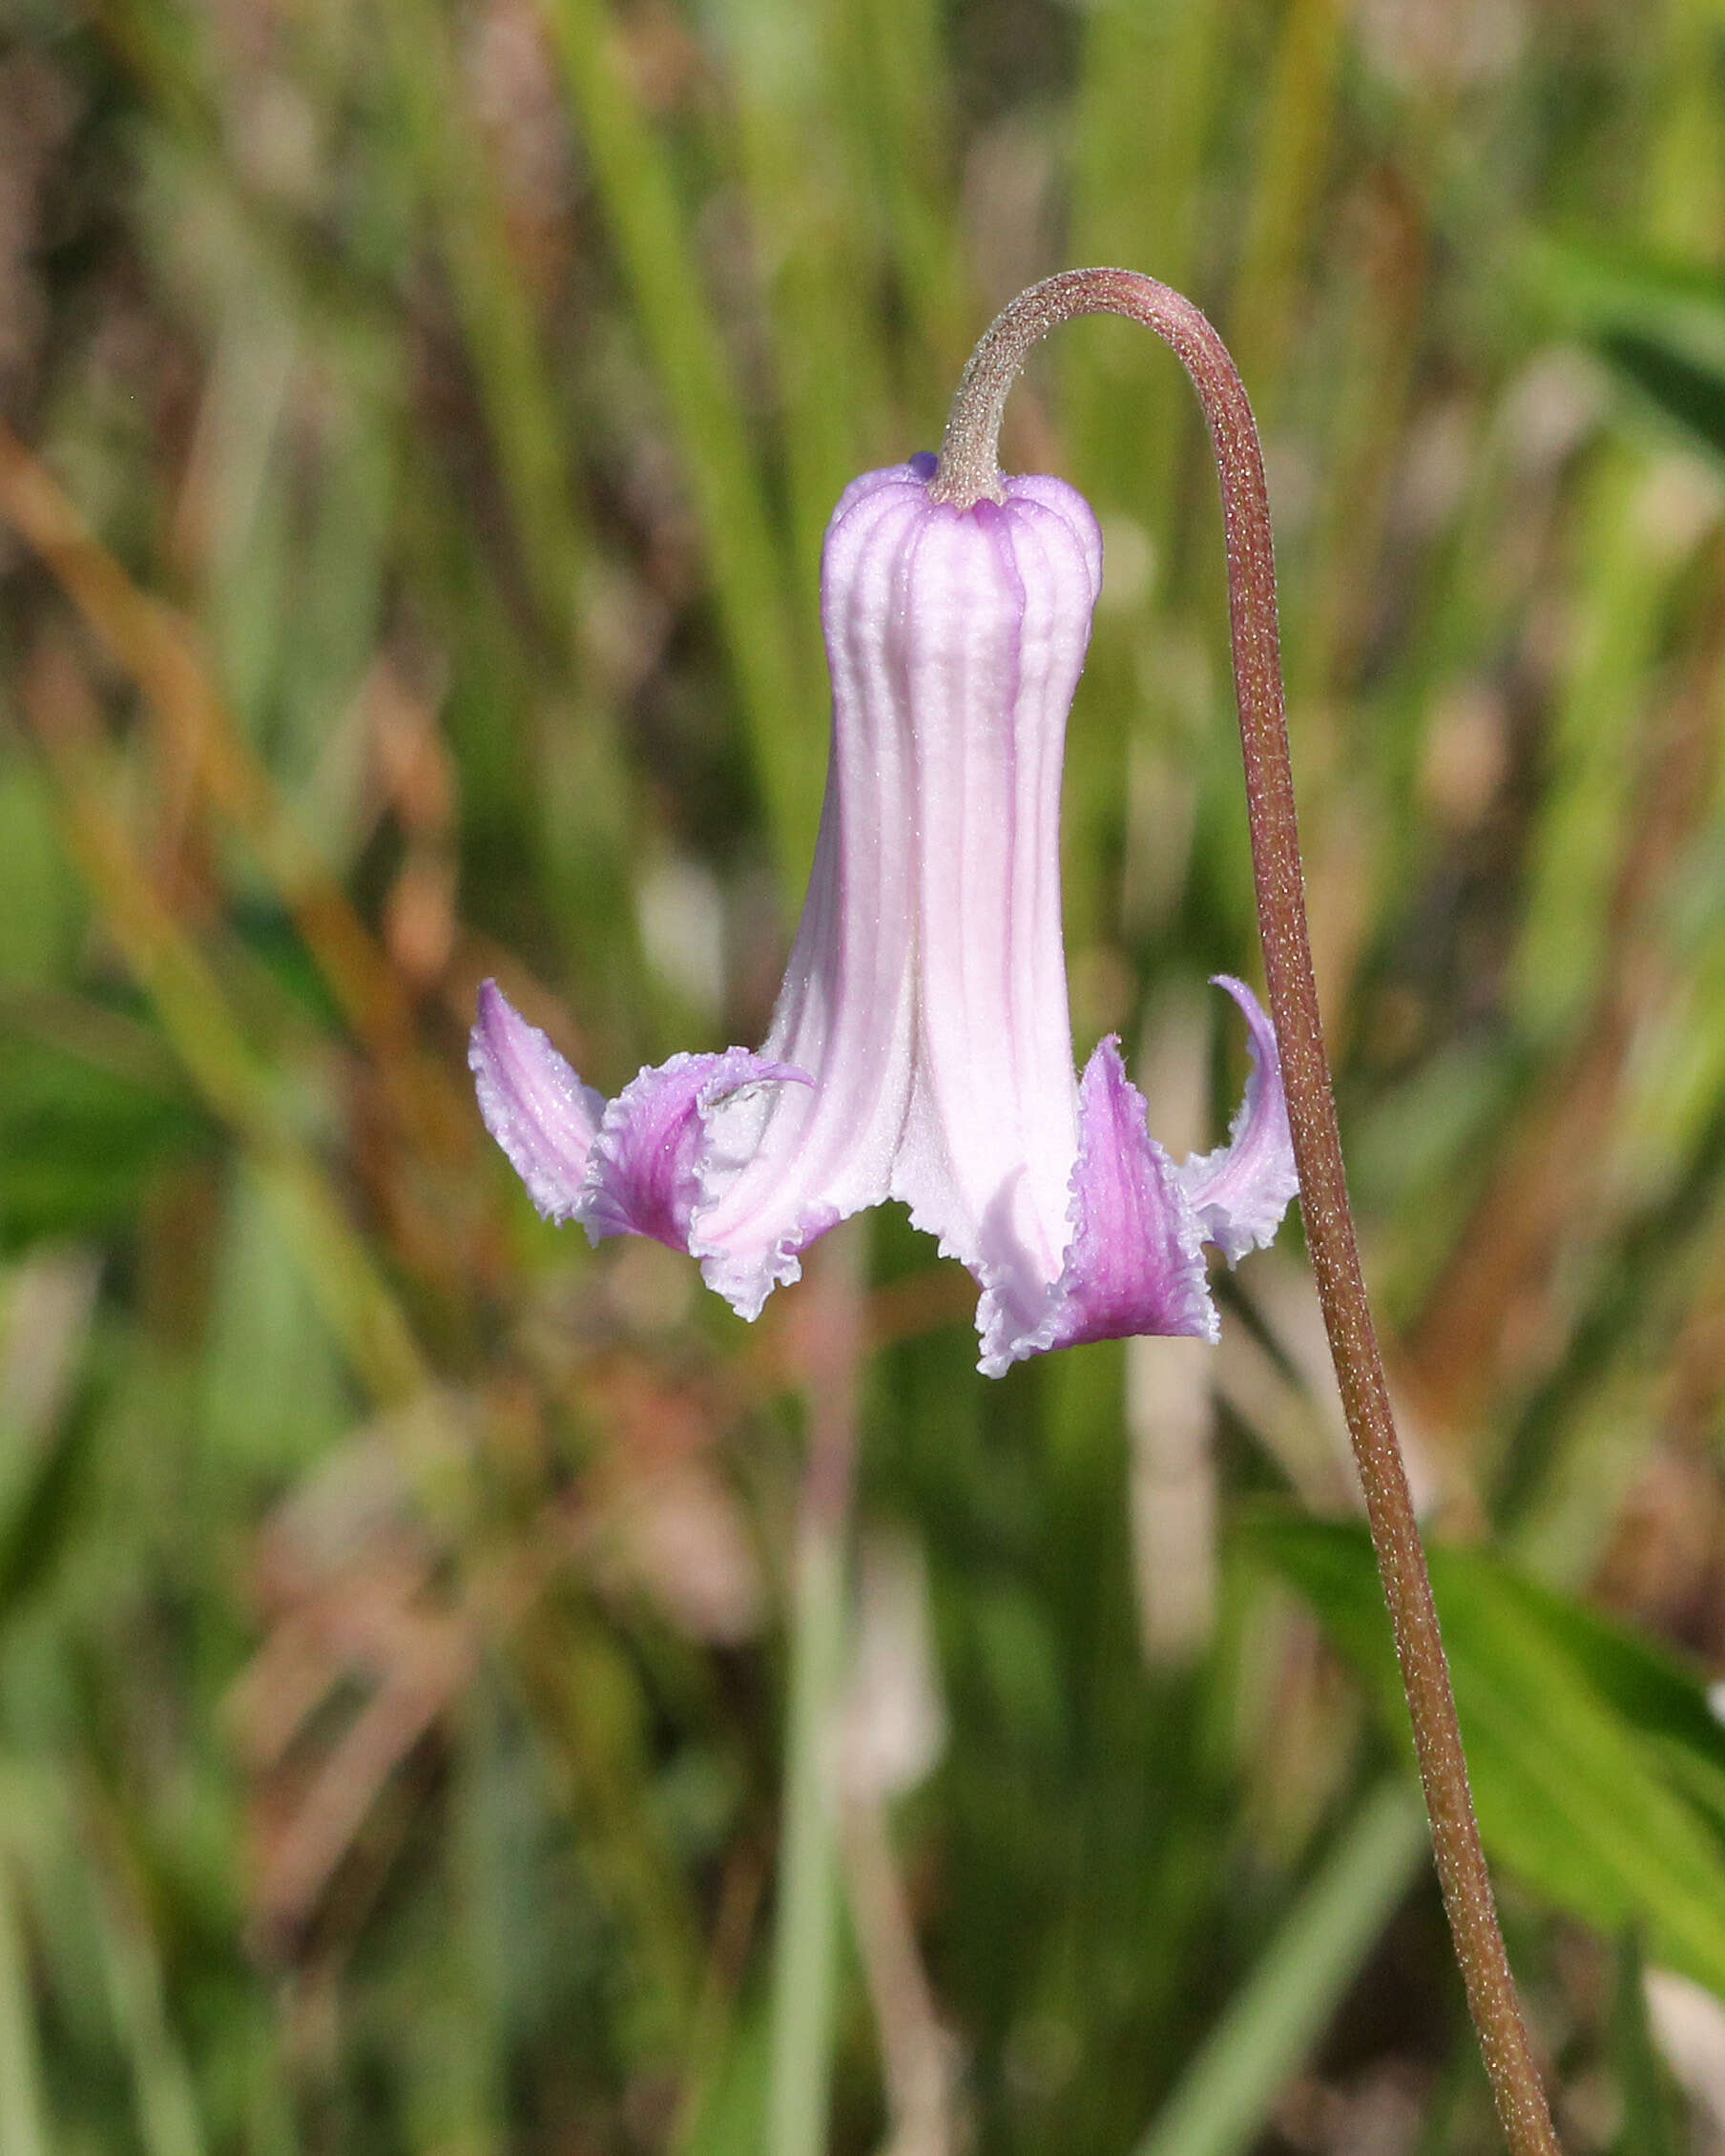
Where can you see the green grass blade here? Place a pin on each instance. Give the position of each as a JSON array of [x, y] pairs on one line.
[[522, 410], [23, 2115], [806, 1946], [1223, 2101], [809, 208], [1649, 2125], [1292, 167], [770, 655], [161, 2083]]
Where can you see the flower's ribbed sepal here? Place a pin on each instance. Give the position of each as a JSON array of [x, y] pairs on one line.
[[1135, 1263], [1241, 1191], [533, 1105], [646, 1174], [639, 1164]]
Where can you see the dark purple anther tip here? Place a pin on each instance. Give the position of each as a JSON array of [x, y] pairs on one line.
[[925, 464]]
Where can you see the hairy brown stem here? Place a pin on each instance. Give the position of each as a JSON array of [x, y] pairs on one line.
[[968, 472]]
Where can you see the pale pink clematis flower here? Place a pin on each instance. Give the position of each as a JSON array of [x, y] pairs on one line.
[[921, 1048]]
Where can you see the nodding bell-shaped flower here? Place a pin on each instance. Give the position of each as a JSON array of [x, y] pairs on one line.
[[921, 1048]]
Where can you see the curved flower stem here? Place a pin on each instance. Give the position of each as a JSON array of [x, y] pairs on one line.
[[968, 472]]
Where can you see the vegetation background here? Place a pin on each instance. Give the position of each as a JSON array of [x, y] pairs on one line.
[[421, 417]]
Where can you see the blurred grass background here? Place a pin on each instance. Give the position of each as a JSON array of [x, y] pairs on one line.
[[422, 416]]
